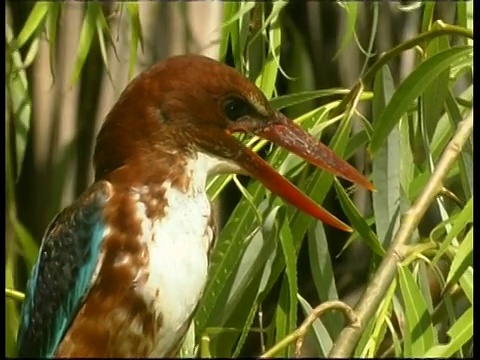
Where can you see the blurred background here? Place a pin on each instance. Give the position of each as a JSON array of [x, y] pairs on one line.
[[51, 159]]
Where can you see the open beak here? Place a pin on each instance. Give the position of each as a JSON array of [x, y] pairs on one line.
[[285, 133]]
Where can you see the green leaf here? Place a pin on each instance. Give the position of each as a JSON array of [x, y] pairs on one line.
[[251, 265], [268, 76], [386, 165], [322, 274], [229, 9], [246, 327], [466, 283], [459, 223], [282, 326], [436, 92], [377, 333], [136, 36], [52, 23], [11, 310], [33, 23], [323, 341], [290, 255], [462, 260], [427, 17], [28, 244], [351, 9], [410, 89], [358, 220], [466, 156], [284, 101], [365, 338], [86, 36], [20, 104], [421, 334], [188, 347], [459, 333]]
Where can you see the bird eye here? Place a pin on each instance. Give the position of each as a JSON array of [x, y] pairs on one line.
[[235, 108]]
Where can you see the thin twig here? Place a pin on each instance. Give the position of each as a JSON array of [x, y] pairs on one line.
[[371, 298], [15, 295], [450, 195], [298, 334]]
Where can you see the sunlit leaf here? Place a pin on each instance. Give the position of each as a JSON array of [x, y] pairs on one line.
[[421, 334], [459, 334], [412, 87]]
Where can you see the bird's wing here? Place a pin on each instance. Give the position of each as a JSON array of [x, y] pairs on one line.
[[67, 266]]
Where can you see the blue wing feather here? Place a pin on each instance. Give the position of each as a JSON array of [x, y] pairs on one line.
[[62, 276]]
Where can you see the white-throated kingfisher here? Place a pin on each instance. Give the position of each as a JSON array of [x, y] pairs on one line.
[[120, 272]]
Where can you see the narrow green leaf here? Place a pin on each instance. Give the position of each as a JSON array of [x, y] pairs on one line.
[[386, 165], [228, 252], [427, 17], [274, 13], [322, 274], [459, 223], [351, 9], [364, 339], [188, 347], [52, 23], [86, 37], [12, 314], [136, 36], [247, 324], [251, 265], [459, 333], [281, 318], [27, 243], [229, 9], [356, 142], [418, 320], [33, 23], [358, 220], [20, 104], [436, 92], [268, 76], [411, 88], [377, 335], [466, 156], [284, 101], [324, 342], [290, 255], [462, 260], [466, 283]]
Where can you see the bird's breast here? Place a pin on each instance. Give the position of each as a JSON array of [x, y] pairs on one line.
[[153, 271], [173, 280]]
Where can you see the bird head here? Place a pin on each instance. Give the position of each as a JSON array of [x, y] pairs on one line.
[[193, 103]]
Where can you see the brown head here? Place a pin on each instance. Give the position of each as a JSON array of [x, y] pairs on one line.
[[190, 103]]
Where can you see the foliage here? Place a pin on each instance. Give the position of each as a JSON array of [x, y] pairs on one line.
[[420, 285]]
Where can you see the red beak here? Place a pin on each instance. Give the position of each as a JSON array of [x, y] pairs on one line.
[[290, 136]]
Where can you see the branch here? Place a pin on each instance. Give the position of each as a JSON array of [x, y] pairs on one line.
[[299, 334], [371, 298], [15, 295]]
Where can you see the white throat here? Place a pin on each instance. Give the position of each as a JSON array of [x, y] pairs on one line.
[[178, 246]]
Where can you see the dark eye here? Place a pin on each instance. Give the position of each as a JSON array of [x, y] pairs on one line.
[[235, 108]]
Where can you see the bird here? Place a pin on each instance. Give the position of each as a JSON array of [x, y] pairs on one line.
[[121, 271]]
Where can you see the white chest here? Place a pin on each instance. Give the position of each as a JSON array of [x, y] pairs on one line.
[[177, 272]]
